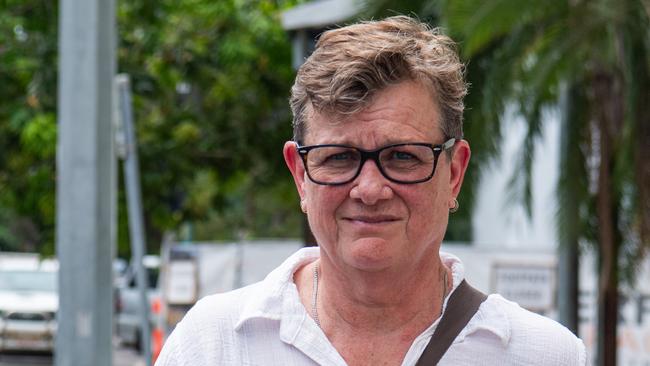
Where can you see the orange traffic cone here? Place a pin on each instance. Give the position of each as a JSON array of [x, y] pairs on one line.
[[157, 336]]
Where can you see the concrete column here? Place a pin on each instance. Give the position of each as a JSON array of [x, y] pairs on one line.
[[85, 182]]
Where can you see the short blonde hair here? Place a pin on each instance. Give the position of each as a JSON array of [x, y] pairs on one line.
[[352, 63]]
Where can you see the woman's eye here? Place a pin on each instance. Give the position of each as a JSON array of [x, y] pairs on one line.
[[339, 156], [401, 155]]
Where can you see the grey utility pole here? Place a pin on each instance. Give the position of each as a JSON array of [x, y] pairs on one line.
[[568, 252], [85, 182], [129, 153]]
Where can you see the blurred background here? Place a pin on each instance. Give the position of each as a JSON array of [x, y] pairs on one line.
[[554, 213]]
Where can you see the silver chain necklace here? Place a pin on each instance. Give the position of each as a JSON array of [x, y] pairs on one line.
[[314, 301]]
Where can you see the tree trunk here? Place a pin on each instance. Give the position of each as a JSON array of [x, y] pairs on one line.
[[608, 103], [642, 141], [608, 281]]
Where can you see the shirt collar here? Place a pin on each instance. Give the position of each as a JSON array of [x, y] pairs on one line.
[[492, 318], [272, 298]]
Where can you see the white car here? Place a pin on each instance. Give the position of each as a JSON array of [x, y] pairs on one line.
[[28, 306]]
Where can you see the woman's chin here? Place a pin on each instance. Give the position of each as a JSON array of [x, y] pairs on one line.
[[371, 254]]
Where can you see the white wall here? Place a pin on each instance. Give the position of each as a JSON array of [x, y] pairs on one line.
[[499, 220]]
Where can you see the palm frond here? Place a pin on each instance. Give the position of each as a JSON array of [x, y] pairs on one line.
[[482, 22], [385, 8]]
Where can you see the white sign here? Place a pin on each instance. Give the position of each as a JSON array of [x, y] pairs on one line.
[[181, 282], [531, 286]]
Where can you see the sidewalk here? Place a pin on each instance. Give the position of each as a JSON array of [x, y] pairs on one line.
[[124, 356]]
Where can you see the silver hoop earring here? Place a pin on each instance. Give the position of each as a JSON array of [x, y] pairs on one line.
[[454, 208]]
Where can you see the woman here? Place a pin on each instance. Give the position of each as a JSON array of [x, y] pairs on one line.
[[378, 160]]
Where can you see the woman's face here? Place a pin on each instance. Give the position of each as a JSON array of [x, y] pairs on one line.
[[371, 223]]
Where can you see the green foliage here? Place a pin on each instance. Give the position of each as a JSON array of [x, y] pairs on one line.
[[27, 124], [210, 83], [38, 136]]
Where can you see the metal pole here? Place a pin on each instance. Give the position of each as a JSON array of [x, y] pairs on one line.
[[568, 262], [134, 209], [568, 252], [85, 182]]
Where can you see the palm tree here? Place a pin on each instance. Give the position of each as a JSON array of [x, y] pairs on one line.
[[590, 58]]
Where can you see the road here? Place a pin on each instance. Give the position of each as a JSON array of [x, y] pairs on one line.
[[122, 356]]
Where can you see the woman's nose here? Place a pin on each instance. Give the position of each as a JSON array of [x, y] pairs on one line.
[[370, 186]]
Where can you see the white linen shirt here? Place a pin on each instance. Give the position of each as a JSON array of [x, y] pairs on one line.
[[266, 324]]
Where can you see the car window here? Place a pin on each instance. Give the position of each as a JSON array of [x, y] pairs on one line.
[[28, 281], [151, 278]]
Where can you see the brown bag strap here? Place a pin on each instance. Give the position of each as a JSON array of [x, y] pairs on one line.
[[461, 307]]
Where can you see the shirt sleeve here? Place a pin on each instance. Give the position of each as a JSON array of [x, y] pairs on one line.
[[582, 353], [195, 341], [181, 348], [171, 351]]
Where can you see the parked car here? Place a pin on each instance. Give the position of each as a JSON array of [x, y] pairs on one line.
[[28, 306], [127, 301]]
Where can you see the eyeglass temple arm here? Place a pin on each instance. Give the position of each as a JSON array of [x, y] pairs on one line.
[[449, 143]]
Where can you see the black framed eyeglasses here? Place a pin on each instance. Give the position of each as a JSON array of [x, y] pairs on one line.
[[407, 163]]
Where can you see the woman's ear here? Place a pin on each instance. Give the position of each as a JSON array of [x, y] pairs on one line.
[[295, 165], [459, 162]]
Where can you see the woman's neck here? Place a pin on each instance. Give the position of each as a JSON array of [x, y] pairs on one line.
[[403, 301]]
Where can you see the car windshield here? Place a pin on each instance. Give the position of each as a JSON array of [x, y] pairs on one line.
[[28, 281], [151, 277]]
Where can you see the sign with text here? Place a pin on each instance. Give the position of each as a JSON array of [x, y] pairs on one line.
[[182, 282], [532, 286]]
